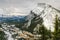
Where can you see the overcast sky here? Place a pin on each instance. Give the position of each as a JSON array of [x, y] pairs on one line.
[[26, 5]]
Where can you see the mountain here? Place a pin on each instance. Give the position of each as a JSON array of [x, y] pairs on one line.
[[48, 13], [43, 10]]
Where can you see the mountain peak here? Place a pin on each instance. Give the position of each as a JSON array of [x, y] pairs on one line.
[[48, 13]]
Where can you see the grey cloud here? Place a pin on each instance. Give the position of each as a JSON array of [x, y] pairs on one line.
[[28, 4]]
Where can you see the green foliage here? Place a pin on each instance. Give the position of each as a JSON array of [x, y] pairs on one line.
[[45, 34], [56, 23], [57, 30], [2, 37]]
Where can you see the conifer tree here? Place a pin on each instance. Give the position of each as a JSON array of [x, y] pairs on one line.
[[45, 34], [57, 30]]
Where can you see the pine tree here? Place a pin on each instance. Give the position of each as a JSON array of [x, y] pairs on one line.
[[57, 30], [45, 34]]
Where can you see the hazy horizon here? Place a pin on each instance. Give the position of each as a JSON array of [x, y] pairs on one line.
[[27, 5]]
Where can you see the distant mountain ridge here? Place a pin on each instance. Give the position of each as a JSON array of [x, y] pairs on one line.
[[12, 15], [13, 19]]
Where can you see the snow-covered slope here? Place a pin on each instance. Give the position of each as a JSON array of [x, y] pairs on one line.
[[48, 13]]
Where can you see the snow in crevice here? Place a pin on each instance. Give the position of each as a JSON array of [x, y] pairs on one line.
[[48, 13]]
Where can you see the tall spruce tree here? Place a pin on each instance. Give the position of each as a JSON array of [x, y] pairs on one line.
[[57, 30], [45, 34]]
